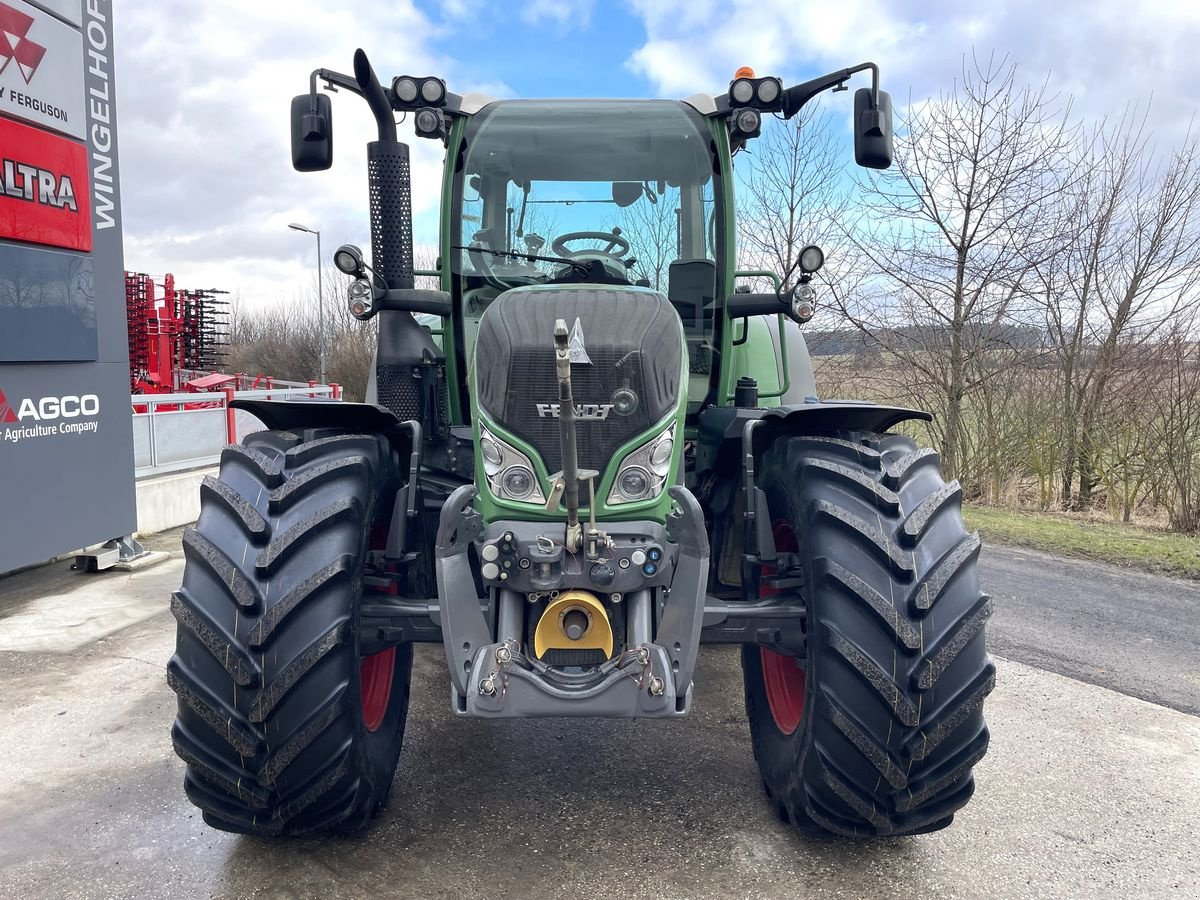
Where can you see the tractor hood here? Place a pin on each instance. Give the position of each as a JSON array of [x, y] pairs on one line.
[[627, 355]]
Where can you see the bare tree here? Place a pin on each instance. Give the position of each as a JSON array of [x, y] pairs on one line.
[[791, 193], [952, 232], [652, 229], [1132, 262], [1175, 429]]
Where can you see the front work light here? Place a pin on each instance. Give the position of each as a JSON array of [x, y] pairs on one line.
[[768, 91], [348, 260], [405, 88], [429, 123], [812, 258], [747, 123], [412, 91], [761, 93], [433, 91], [742, 91]]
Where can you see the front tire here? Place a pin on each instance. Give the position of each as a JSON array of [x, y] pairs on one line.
[[876, 730], [284, 725]]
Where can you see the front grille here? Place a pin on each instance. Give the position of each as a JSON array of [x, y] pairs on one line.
[[633, 341], [533, 370]]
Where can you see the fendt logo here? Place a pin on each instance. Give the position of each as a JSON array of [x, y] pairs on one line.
[[45, 412], [15, 46], [584, 412]]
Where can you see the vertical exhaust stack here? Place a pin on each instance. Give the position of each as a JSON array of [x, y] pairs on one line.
[[566, 433], [407, 365], [389, 181]]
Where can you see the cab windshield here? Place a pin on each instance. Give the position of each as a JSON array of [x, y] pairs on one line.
[[603, 191]]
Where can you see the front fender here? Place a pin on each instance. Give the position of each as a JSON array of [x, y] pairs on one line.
[[722, 428], [361, 418]]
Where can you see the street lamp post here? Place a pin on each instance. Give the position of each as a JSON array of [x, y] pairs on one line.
[[320, 293]]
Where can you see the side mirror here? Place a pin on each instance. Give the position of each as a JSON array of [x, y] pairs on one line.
[[872, 130], [312, 132]]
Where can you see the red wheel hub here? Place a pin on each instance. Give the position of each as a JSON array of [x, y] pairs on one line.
[[375, 686], [783, 679]]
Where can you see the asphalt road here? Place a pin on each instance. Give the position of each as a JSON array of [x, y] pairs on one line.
[[1135, 633], [1084, 792]]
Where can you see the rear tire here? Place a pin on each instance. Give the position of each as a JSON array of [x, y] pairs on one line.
[[284, 727], [876, 731]]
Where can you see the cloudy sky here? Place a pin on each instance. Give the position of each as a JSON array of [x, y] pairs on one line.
[[204, 90]]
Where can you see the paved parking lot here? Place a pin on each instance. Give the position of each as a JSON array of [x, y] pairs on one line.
[[1086, 791]]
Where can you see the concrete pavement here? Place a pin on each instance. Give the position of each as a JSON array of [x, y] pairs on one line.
[[1085, 791], [1134, 632]]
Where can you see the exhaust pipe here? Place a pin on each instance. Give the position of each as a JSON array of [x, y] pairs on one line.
[[390, 182], [566, 434]]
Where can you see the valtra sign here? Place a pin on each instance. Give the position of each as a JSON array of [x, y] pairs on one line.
[[41, 69], [44, 188]]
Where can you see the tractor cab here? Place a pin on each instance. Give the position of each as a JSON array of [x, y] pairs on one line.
[[582, 193]]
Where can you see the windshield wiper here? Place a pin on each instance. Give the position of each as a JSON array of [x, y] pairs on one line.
[[575, 264]]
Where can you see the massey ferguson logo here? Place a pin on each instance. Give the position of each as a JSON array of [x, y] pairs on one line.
[[41, 417], [15, 47], [584, 412]]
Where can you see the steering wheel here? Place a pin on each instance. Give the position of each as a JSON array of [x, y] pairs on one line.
[[612, 238], [501, 281]]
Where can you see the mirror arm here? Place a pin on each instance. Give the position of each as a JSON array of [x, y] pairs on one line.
[[795, 97], [333, 81]]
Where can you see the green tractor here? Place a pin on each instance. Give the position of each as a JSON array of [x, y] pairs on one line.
[[572, 479]]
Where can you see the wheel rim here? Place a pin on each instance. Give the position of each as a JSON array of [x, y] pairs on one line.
[[783, 679], [375, 683], [375, 672]]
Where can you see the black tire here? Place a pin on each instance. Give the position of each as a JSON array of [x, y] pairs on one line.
[[267, 664], [896, 669]]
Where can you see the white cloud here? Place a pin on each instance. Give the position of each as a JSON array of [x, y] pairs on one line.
[[1106, 53], [204, 93]]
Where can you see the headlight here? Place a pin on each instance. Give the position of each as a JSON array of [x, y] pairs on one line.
[[643, 473], [492, 457], [517, 482], [509, 471], [359, 298], [633, 483], [804, 302]]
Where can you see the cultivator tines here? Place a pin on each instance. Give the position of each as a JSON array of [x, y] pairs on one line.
[[173, 338], [139, 308], [205, 336]]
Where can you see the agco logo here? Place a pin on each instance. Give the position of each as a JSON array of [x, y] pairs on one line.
[[585, 412], [15, 46], [43, 417], [47, 409]]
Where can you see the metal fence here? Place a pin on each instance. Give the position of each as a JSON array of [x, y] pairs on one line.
[[176, 432]]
